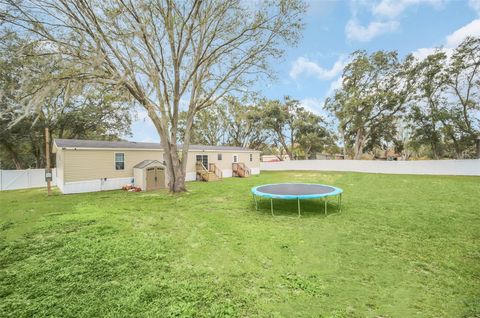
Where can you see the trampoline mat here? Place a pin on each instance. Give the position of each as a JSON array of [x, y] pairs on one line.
[[295, 189]]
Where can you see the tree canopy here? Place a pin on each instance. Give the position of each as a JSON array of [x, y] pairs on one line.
[[166, 54], [68, 112]]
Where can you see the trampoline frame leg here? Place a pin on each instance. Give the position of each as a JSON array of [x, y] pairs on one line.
[[339, 204]]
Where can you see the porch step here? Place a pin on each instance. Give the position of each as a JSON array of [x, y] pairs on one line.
[[212, 176]]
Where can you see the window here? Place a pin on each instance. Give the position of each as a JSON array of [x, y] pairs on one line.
[[119, 161], [235, 158], [251, 157], [219, 157], [203, 159]]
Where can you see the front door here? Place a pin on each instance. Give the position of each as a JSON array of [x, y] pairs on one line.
[[155, 178]]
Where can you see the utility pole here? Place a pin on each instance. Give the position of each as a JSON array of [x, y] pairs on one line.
[[48, 171], [478, 147]]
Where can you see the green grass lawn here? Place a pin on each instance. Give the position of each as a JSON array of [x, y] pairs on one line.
[[403, 246]]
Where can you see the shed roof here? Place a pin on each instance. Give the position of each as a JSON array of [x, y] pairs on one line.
[[146, 163], [78, 143]]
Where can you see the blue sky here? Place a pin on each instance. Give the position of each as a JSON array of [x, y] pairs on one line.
[[334, 29]]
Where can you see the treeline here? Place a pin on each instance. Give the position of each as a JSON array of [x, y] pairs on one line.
[[418, 107], [411, 108], [414, 108], [281, 127], [67, 110]]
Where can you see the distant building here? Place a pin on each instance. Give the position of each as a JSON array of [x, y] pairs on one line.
[[274, 158], [327, 156]]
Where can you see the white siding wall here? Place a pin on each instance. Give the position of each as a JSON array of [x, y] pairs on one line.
[[95, 185]]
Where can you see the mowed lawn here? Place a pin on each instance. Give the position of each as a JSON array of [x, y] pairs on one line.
[[403, 246]]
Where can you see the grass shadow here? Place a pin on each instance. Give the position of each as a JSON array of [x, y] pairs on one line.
[[308, 208]]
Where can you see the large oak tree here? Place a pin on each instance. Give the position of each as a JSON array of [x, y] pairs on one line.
[[375, 91], [166, 54]]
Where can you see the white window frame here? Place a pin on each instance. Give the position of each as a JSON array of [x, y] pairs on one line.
[[219, 156], [115, 161], [233, 158], [203, 155], [251, 157]]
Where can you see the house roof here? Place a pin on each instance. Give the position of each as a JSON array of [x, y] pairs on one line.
[[146, 163], [103, 144]]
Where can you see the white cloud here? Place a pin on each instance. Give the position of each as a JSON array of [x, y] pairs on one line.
[[336, 84], [303, 65], [451, 41], [312, 104], [393, 8], [422, 53], [358, 32], [316, 105], [475, 5], [471, 29], [385, 14]]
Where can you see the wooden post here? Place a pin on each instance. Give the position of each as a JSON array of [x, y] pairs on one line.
[[478, 147], [47, 157]]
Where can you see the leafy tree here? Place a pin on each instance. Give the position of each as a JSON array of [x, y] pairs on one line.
[[243, 123], [164, 53], [445, 112], [428, 105], [68, 112], [279, 118], [374, 93], [312, 135], [292, 128], [208, 126], [232, 122], [463, 81]]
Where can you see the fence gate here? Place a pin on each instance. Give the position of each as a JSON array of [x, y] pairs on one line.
[[24, 179]]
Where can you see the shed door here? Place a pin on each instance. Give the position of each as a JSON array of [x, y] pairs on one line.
[[155, 178]]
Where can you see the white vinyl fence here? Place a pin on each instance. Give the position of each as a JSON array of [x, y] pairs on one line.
[[23, 179], [433, 167]]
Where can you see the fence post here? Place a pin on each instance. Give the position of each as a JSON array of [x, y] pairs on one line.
[[478, 147]]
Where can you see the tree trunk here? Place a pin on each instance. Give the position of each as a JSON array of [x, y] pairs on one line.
[[13, 156], [307, 153], [176, 163], [175, 173], [344, 150], [358, 147], [282, 141], [434, 150]]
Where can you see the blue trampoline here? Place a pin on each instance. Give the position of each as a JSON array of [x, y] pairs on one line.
[[297, 191]]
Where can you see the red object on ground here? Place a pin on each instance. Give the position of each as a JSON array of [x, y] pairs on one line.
[[131, 188]]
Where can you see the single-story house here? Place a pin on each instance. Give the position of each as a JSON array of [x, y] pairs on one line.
[[92, 165]]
